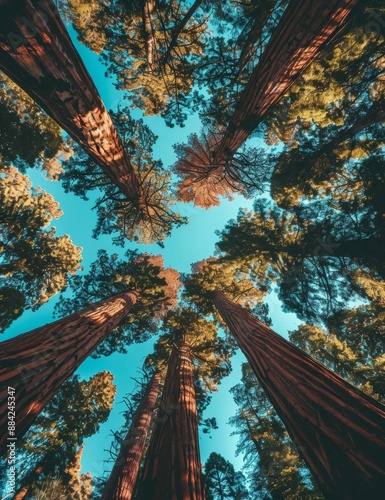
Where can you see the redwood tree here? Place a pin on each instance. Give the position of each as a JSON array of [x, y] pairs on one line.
[[120, 485], [35, 364], [305, 29], [172, 467], [36, 52], [339, 429]]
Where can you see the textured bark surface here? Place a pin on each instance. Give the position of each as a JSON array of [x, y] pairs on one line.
[[339, 430], [121, 483], [36, 363], [172, 468], [306, 28], [37, 53]]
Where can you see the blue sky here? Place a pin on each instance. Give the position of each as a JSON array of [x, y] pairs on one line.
[[187, 244]]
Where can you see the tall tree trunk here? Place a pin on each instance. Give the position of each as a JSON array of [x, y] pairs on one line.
[[121, 483], [37, 53], [339, 430], [148, 32], [36, 363], [306, 28], [172, 467]]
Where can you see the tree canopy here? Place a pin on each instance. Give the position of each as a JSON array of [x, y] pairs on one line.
[[35, 264], [51, 445], [28, 137], [150, 223], [109, 275], [221, 480]]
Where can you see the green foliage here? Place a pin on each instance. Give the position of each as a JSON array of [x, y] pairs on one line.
[[314, 253], [151, 48], [154, 219], [28, 137], [236, 280], [35, 264], [333, 87], [76, 412], [221, 480], [109, 275], [352, 346], [272, 463]]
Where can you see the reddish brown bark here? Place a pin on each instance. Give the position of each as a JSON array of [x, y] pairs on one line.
[[121, 483], [36, 363], [172, 467], [37, 53], [339, 430], [148, 31], [306, 28]]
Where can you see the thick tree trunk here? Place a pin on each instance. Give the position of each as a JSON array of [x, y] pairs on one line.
[[306, 28], [36, 363], [339, 430], [37, 53], [172, 467], [121, 483]]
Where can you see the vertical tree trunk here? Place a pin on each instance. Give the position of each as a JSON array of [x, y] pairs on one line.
[[339, 430], [148, 32], [306, 28], [121, 483], [36, 363], [172, 467], [37, 53]]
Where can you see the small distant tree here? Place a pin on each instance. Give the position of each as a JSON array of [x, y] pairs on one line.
[[221, 480], [35, 264]]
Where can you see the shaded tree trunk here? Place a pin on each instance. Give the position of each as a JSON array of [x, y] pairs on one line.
[[339, 430], [172, 467], [37, 53], [307, 27], [36, 363], [121, 483], [30, 480]]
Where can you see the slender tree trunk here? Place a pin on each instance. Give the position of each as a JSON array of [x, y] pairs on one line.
[[37, 53], [172, 468], [121, 483], [306, 28], [36, 363], [339, 430], [148, 32], [179, 28]]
